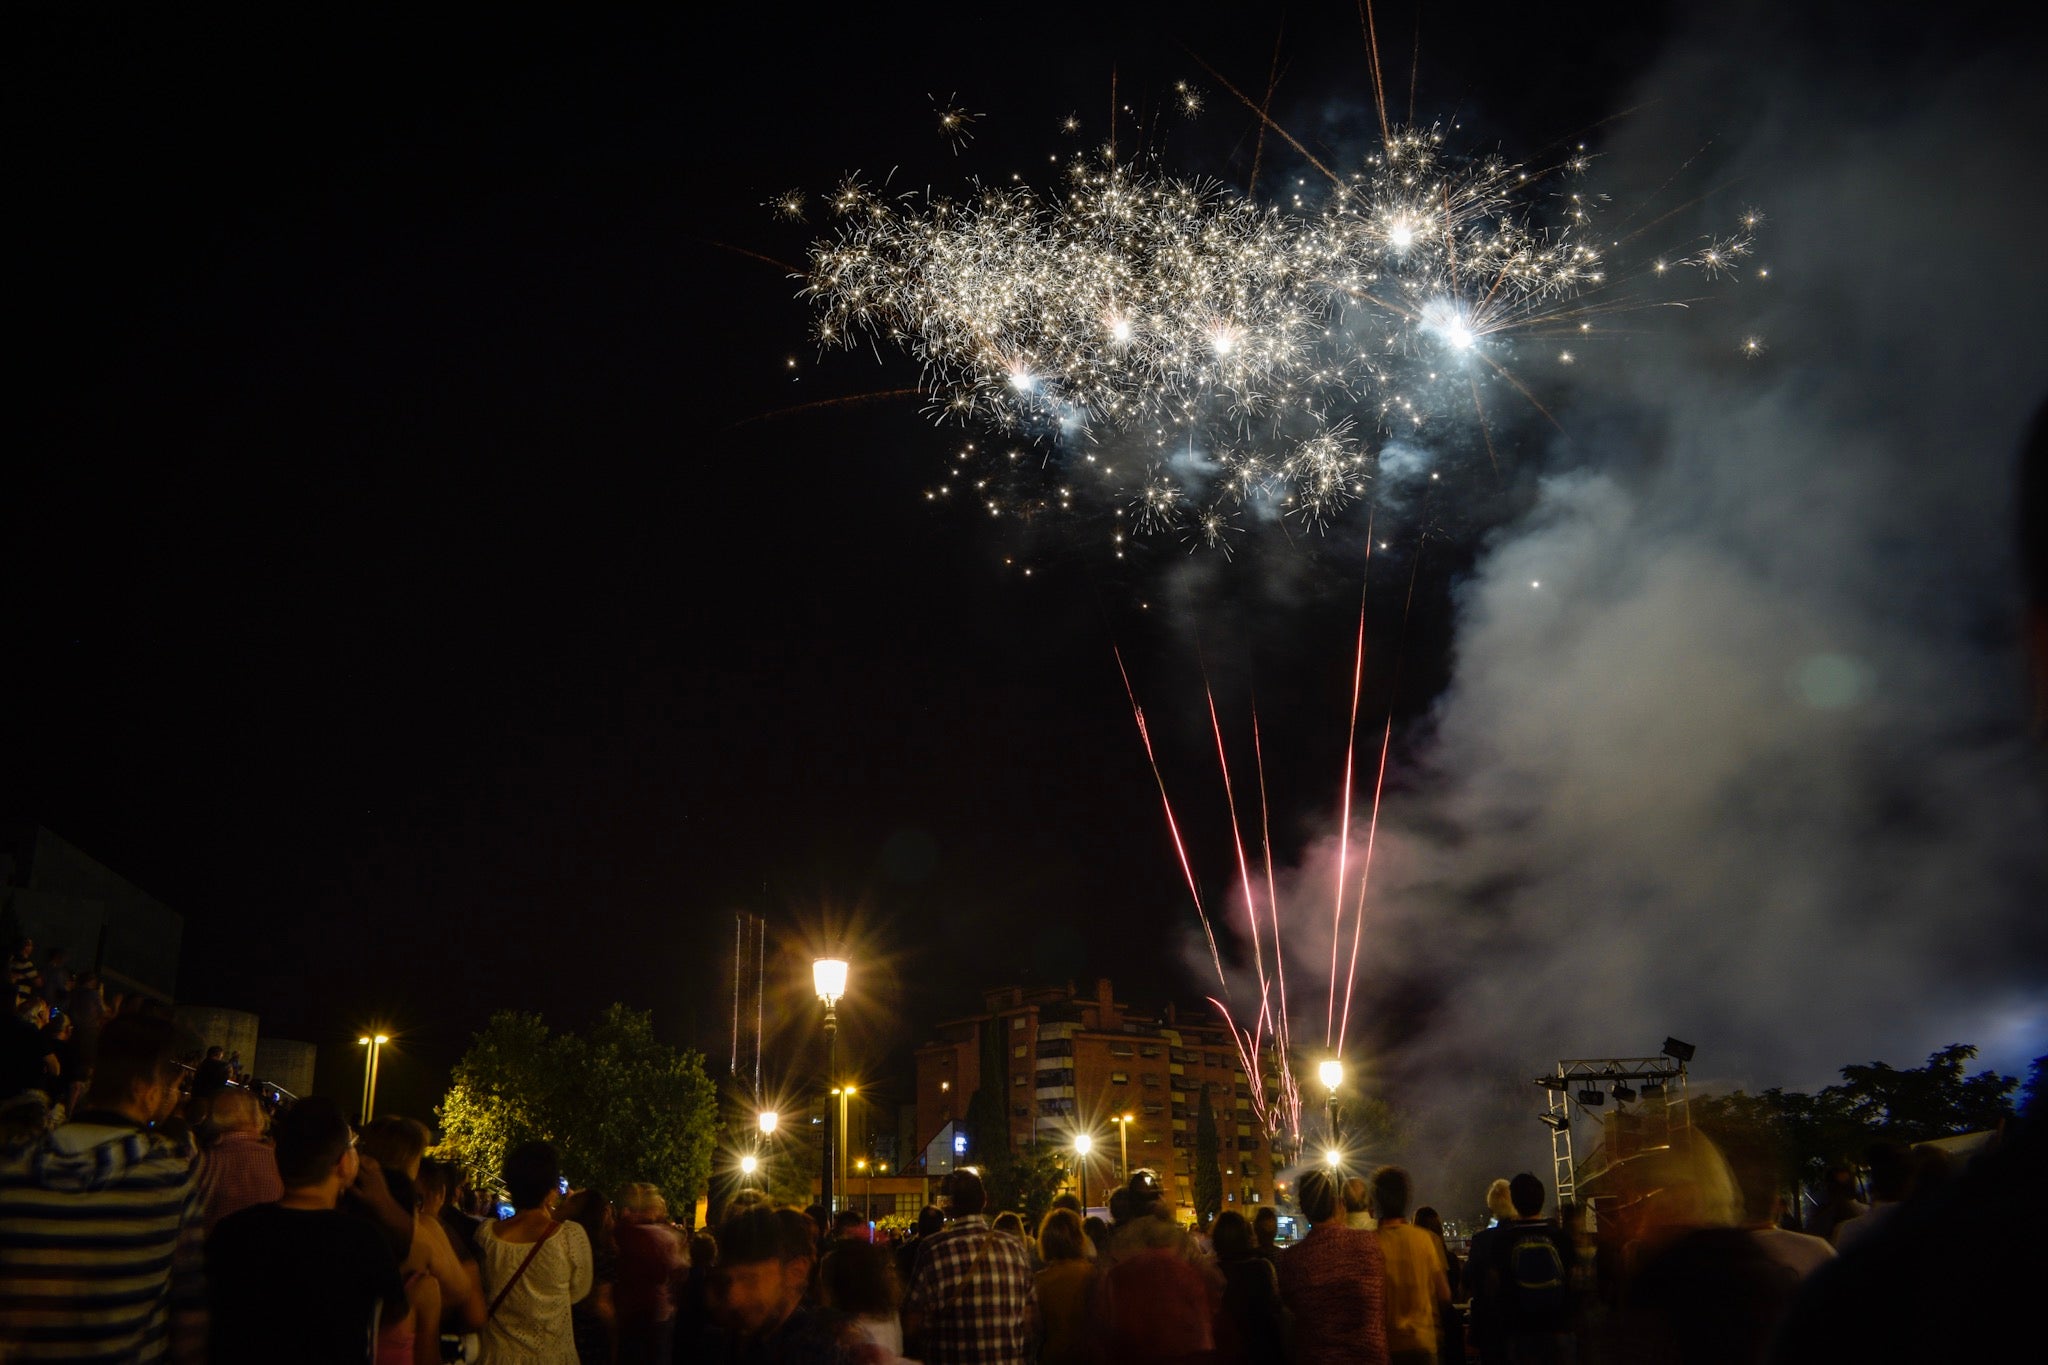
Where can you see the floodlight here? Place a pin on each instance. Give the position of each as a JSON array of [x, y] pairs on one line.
[[1557, 1122], [1680, 1052], [1623, 1092], [1592, 1098]]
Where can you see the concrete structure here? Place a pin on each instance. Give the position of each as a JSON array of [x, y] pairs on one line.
[[1073, 1062], [62, 898], [284, 1062]]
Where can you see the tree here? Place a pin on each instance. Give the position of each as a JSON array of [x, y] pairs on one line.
[[1931, 1101], [1208, 1176], [2037, 1079], [1028, 1181], [988, 1113], [617, 1104]]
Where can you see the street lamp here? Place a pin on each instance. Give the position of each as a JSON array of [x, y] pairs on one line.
[[828, 978], [748, 1165], [1123, 1142], [1331, 1073], [768, 1118], [842, 1091], [1083, 1144], [375, 1043], [868, 1207]]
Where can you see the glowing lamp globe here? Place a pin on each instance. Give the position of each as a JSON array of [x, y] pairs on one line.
[[769, 1118], [828, 975], [1330, 1073], [1083, 1144], [748, 1165]]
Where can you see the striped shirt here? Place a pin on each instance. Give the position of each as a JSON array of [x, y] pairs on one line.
[[100, 1243]]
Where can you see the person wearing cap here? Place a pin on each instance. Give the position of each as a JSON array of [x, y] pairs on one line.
[[1157, 1295], [972, 1299]]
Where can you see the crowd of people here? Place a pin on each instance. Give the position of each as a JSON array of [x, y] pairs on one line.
[[173, 1215]]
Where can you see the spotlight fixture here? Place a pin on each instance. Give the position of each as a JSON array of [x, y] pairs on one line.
[[1557, 1123], [1551, 1082], [1623, 1093], [1592, 1098], [1681, 1052], [1653, 1090]]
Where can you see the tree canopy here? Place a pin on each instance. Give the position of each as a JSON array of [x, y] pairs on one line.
[[1208, 1177], [617, 1104]]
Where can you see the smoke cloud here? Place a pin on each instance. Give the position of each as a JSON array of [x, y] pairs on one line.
[[1734, 748]]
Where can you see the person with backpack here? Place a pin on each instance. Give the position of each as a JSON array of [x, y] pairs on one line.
[[1529, 1280]]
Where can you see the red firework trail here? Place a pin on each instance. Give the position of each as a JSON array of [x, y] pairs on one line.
[[1350, 754], [1244, 870], [1172, 825]]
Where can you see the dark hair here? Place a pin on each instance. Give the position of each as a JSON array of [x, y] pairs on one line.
[[1266, 1222], [703, 1251], [134, 1052], [1427, 1217], [1891, 1169], [969, 1195], [860, 1279], [1317, 1195], [1069, 1201], [436, 1178], [1098, 1232], [929, 1220], [532, 1171], [1391, 1191], [1526, 1192], [1119, 1205], [1061, 1236], [394, 1141], [759, 1235], [1142, 1192], [1232, 1236], [310, 1137], [587, 1209], [1009, 1222], [800, 1230], [848, 1218]]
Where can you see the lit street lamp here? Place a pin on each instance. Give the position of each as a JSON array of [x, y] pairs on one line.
[[1331, 1073], [768, 1118], [748, 1165], [1123, 1142], [375, 1043], [1083, 1144], [842, 1091], [828, 978]]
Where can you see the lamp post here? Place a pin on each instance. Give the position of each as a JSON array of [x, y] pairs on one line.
[[1331, 1073], [828, 978], [844, 1092], [1123, 1143], [375, 1043], [1083, 1144], [748, 1165]]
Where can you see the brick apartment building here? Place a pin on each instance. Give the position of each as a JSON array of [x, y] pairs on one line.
[[1075, 1062]]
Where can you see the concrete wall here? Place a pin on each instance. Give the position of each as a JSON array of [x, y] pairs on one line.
[[286, 1063], [234, 1030]]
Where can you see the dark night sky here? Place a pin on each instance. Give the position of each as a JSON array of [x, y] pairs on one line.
[[389, 588]]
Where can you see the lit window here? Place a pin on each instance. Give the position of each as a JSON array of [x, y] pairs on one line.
[[1016, 1022], [1022, 1050], [1120, 1077]]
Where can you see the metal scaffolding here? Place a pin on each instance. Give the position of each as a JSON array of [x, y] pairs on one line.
[[1654, 1086]]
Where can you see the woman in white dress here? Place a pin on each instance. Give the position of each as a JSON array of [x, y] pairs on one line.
[[534, 1268]]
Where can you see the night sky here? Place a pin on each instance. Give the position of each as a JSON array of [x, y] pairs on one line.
[[413, 577]]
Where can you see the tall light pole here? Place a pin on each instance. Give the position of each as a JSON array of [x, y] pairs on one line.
[[1083, 1144], [1123, 1142], [748, 1165], [1331, 1073], [828, 978], [375, 1043], [844, 1092], [868, 1204]]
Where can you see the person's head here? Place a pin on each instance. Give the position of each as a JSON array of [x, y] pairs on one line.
[[316, 1152], [135, 1069], [821, 1220], [764, 1267], [1316, 1193], [396, 1143], [1069, 1201], [34, 1011], [1355, 1197], [849, 1223], [1009, 1222], [930, 1219], [1391, 1191], [745, 1199], [860, 1280], [642, 1202], [967, 1193], [801, 1226], [533, 1176], [591, 1211], [703, 1251], [1061, 1237], [214, 1054], [1144, 1196], [1525, 1192], [1232, 1236], [236, 1111], [1266, 1225], [56, 958], [1097, 1232], [436, 1184], [1119, 1206], [24, 947]]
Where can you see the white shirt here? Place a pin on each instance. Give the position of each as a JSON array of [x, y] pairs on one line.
[[531, 1327]]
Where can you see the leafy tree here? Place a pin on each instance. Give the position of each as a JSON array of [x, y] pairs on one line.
[[1027, 1181], [617, 1104], [988, 1114], [2037, 1079], [1208, 1176], [1931, 1101]]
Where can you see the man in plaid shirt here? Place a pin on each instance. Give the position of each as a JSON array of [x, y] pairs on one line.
[[971, 1297]]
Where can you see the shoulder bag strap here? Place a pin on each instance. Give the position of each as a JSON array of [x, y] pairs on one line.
[[517, 1274]]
